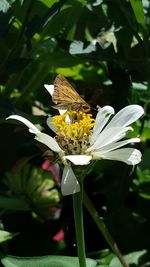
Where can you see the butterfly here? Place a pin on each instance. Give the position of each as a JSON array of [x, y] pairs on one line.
[[66, 97]]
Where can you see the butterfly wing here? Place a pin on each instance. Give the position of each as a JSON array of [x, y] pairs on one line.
[[64, 92], [65, 96]]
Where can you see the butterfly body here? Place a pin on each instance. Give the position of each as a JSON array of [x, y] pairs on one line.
[[66, 97]]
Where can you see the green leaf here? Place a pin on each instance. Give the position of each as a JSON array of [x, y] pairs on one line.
[[64, 20], [4, 236], [139, 86], [45, 261], [4, 6], [78, 47], [137, 7], [48, 3], [13, 204], [21, 2], [132, 258]]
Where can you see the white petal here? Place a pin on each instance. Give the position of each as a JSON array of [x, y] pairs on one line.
[[69, 183], [50, 125], [116, 145], [109, 136], [49, 88], [67, 119], [62, 111], [79, 159], [48, 141], [130, 156], [126, 116], [102, 118], [30, 125]]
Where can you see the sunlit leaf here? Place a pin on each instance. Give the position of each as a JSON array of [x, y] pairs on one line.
[[78, 47], [137, 7], [139, 86], [4, 5], [48, 3], [46, 261], [132, 258], [4, 236]]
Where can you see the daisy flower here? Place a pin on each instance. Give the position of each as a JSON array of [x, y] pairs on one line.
[[80, 139]]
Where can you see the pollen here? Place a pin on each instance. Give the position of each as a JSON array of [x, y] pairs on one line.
[[73, 130]]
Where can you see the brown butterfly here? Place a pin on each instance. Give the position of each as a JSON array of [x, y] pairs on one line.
[[66, 97]]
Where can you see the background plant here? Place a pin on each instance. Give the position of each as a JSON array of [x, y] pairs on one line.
[[103, 48]]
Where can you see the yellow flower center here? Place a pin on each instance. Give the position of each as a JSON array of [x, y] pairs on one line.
[[73, 131]]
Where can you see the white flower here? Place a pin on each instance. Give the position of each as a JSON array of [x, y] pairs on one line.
[[70, 184], [105, 138], [88, 140], [104, 142]]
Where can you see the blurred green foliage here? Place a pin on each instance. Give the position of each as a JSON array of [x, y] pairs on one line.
[[103, 47], [37, 187]]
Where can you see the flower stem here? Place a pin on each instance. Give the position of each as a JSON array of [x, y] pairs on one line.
[[102, 227], [78, 218]]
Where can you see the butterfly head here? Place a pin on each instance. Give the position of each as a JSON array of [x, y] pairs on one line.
[[85, 108]]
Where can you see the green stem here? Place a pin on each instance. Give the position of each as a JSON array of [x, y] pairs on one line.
[[102, 227], [78, 218]]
